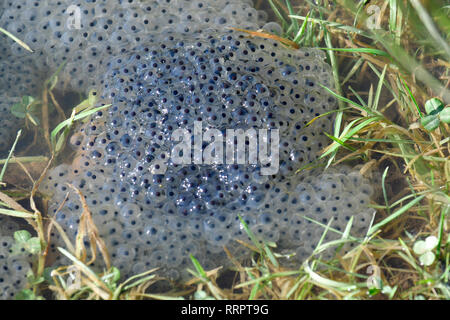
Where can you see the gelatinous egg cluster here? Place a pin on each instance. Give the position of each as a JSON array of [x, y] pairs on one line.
[[86, 34], [18, 77], [83, 35], [165, 65], [225, 81], [9, 124], [14, 262]]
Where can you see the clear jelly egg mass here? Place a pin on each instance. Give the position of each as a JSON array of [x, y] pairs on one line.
[[164, 66]]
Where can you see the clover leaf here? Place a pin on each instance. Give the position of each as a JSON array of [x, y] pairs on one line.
[[26, 109], [25, 240], [424, 249], [436, 112]]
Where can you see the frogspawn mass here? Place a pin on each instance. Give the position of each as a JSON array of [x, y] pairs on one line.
[[164, 65]]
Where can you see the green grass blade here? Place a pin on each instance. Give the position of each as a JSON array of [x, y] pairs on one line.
[[339, 26], [302, 29], [383, 186], [431, 28], [326, 114], [138, 282], [291, 11], [161, 297], [359, 50], [392, 15], [360, 99], [10, 155], [378, 92], [395, 215], [201, 272], [348, 227], [444, 212], [328, 283], [250, 233], [270, 255], [340, 142], [89, 273], [354, 69], [330, 228], [17, 214], [412, 97], [348, 132], [404, 60], [23, 44], [278, 14], [357, 106], [388, 140], [267, 277], [69, 121]]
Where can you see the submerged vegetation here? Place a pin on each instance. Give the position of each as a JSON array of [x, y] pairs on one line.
[[390, 62]]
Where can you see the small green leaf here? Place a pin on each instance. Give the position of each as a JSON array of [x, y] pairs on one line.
[[18, 110], [445, 115], [388, 290], [27, 101], [24, 108], [434, 106], [22, 236], [374, 291], [48, 274], [33, 245], [116, 274], [420, 247], [427, 258], [198, 267], [27, 294], [430, 122], [425, 250], [431, 242], [32, 280]]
